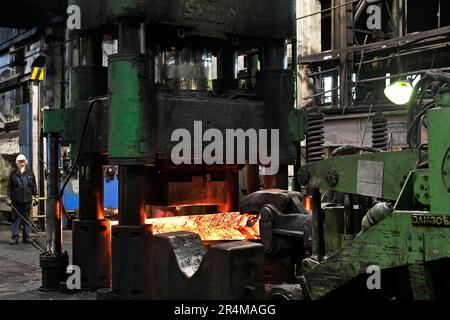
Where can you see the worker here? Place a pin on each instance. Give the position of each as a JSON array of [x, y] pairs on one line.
[[22, 192]]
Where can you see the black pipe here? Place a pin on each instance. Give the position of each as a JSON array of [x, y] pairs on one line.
[[55, 211]]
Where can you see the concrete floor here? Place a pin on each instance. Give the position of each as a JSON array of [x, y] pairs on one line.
[[20, 274]]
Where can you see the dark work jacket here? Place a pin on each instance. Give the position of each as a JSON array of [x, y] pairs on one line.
[[22, 187]]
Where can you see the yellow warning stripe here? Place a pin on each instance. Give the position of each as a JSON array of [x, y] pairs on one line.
[[34, 73], [41, 76], [38, 72]]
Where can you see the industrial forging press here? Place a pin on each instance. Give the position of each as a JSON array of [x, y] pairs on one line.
[[392, 209], [125, 114]]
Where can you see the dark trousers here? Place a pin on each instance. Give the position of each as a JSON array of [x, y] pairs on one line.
[[17, 221]]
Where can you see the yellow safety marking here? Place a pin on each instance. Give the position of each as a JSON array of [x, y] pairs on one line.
[[41, 76], [34, 73], [38, 74]]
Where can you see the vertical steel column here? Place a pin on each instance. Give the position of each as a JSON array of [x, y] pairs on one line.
[[91, 193], [131, 36], [274, 55], [398, 11], [317, 230], [131, 178], [345, 58], [132, 184], [54, 262], [335, 44], [395, 14], [252, 170], [398, 20], [91, 233], [226, 67], [342, 38], [274, 59], [36, 89], [55, 213], [131, 239]]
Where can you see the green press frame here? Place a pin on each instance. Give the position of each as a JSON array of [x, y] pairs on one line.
[[415, 235]]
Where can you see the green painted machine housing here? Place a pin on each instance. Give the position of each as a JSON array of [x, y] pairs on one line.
[[340, 174], [120, 140], [415, 236], [69, 124], [53, 121], [334, 227], [141, 118], [129, 108], [86, 84], [439, 159], [393, 242]]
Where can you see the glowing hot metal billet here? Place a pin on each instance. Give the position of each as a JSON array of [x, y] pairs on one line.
[[211, 227]]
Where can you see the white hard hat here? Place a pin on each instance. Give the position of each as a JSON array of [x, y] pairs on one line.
[[21, 157]]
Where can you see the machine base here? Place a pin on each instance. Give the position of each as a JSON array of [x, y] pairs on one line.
[[131, 251], [53, 271], [92, 253]]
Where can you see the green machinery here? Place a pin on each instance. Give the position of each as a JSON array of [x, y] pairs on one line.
[[406, 235], [127, 117], [160, 80]]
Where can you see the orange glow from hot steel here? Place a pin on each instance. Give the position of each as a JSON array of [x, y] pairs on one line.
[[100, 210], [227, 226], [307, 203]]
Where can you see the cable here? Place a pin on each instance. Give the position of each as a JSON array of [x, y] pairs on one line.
[[359, 70], [352, 148], [414, 113], [44, 50], [367, 125], [15, 36], [32, 226], [419, 116], [421, 148], [327, 9], [83, 135]]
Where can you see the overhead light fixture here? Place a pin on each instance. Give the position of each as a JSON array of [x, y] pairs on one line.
[[400, 92]]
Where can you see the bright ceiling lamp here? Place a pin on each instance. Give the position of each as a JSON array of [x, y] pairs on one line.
[[400, 92]]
